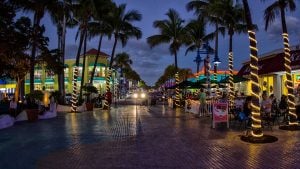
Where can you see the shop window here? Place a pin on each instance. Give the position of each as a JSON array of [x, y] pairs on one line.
[[49, 74], [49, 87], [38, 74], [66, 72]]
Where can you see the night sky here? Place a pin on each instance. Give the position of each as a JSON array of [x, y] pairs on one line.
[[150, 63]]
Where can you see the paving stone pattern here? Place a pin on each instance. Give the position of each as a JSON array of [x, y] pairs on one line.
[[157, 137]]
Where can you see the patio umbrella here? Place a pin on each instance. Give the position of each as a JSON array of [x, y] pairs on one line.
[[203, 81]]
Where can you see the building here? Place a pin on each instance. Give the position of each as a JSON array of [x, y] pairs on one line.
[[271, 72], [49, 81]]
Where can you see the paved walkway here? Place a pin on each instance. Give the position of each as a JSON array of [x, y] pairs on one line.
[[132, 137]]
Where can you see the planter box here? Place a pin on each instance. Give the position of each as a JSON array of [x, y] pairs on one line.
[[32, 115]]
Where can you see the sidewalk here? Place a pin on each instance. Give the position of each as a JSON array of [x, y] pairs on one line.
[[157, 137]]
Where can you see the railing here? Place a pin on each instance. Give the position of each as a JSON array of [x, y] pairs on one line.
[[194, 106]]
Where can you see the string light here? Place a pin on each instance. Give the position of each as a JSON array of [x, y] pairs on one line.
[[291, 96], [215, 78], [75, 93], [106, 104], [231, 89], [177, 99], [256, 120]]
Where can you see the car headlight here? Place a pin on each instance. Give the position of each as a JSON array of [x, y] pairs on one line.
[[143, 95], [135, 95]]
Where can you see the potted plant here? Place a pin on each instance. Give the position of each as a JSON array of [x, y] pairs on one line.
[[32, 107], [89, 89]]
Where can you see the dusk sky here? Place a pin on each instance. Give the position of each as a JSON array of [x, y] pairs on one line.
[[150, 63]]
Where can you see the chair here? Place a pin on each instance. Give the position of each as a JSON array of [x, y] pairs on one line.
[[267, 120], [243, 119]]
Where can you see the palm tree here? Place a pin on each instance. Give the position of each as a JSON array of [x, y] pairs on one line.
[[83, 13], [271, 12], [196, 32], [39, 8], [123, 62], [171, 31], [211, 10], [100, 26], [62, 18], [255, 108], [120, 22], [234, 21]]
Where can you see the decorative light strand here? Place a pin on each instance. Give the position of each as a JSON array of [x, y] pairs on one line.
[[287, 65], [74, 99], [208, 73], [177, 99], [231, 89], [216, 79], [108, 77], [256, 120]]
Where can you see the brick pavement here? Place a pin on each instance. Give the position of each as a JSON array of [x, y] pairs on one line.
[[160, 138]]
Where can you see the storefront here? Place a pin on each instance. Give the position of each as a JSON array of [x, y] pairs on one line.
[[271, 73]]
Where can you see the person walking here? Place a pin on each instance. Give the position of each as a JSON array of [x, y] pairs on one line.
[[202, 100]]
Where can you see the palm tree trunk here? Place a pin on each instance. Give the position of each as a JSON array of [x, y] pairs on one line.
[[230, 67], [177, 91], [96, 59], [255, 108], [287, 64], [36, 22], [60, 75], [74, 99], [63, 46], [17, 91], [108, 77], [83, 68], [198, 59], [216, 56]]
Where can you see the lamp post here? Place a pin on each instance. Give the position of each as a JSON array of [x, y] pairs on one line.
[[207, 50]]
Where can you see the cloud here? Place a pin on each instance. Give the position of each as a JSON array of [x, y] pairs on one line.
[[275, 29]]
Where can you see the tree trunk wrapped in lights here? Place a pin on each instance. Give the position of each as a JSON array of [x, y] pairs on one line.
[[177, 99], [218, 94], [106, 104], [289, 83], [231, 89], [256, 119], [75, 91], [255, 108]]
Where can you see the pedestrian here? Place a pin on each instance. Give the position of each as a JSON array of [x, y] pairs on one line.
[[13, 107], [202, 100]]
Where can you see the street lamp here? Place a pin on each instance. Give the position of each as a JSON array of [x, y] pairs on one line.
[[216, 60]]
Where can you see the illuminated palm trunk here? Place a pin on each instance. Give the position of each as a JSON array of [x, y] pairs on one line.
[[108, 77], [256, 119], [216, 79], [231, 89], [289, 83], [287, 65], [177, 98], [255, 108], [75, 90]]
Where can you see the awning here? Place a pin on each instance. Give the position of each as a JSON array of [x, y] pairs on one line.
[[236, 79], [80, 64], [36, 81], [49, 81], [98, 64], [272, 64], [99, 79]]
